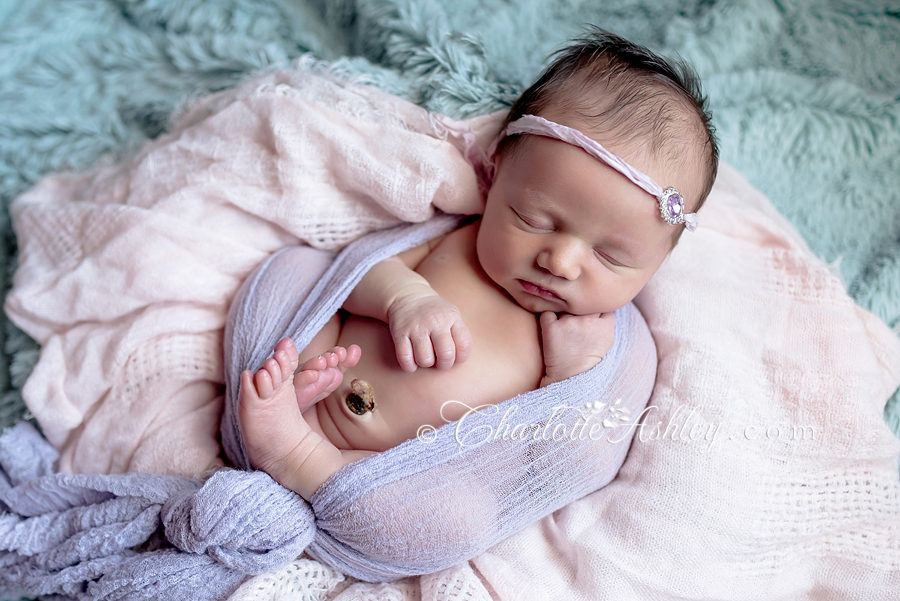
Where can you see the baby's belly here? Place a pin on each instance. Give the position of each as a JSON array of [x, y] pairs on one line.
[[504, 362]]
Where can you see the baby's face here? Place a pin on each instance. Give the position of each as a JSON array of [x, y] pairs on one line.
[[564, 232]]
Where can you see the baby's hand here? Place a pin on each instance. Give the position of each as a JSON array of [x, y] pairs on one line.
[[428, 330], [574, 343]]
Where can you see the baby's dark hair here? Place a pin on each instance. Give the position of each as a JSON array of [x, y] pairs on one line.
[[652, 99]]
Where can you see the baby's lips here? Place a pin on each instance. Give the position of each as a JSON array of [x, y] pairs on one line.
[[538, 290]]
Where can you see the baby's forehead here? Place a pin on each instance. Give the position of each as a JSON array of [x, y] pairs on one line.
[[573, 187], [671, 178]]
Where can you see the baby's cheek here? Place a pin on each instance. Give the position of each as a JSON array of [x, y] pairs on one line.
[[605, 295], [490, 263]]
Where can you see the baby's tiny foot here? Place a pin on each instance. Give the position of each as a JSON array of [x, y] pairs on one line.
[[320, 376], [270, 421]]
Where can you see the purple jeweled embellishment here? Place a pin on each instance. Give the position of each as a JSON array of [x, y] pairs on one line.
[[675, 205], [671, 206]]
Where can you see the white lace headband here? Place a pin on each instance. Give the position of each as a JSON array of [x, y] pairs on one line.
[[671, 203]]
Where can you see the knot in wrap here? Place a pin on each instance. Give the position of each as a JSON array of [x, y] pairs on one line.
[[244, 520]]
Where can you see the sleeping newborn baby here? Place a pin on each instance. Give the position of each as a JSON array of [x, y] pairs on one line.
[[574, 226]]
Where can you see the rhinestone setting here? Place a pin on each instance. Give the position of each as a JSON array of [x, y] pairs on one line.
[[671, 206]]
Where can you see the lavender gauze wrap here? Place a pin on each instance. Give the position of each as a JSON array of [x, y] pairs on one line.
[[414, 509], [433, 502]]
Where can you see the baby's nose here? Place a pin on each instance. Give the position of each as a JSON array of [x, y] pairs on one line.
[[561, 260]]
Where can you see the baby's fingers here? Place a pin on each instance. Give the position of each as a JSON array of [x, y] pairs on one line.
[[424, 351], [547, 319], [444, 349], [405, 356], [462, 340]]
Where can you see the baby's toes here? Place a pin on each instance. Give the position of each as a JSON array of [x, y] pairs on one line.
[[274, 370], [285, 363], [334, 357], [315, 364], [262, 383], [248, 387], [343, 358], [351, 357], [287, 345]]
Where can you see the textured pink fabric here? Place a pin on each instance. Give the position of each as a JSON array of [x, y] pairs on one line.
[[126, 272]]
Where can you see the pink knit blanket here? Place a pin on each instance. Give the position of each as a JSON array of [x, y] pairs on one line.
[[126, 272]]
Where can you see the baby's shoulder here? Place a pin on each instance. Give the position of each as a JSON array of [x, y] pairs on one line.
[[460, 241]]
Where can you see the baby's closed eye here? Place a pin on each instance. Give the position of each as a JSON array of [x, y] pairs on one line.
[[607, 257], [534, 222]]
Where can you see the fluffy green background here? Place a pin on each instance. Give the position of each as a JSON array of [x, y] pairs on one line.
[[804, 94]]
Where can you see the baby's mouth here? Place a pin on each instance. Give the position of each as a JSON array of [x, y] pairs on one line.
[[540, 291]]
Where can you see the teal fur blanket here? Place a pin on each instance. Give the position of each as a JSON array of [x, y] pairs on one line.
[[804, 94]]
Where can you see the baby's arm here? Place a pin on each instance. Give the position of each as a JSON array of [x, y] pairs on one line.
[[573, 344], [427, 329]]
